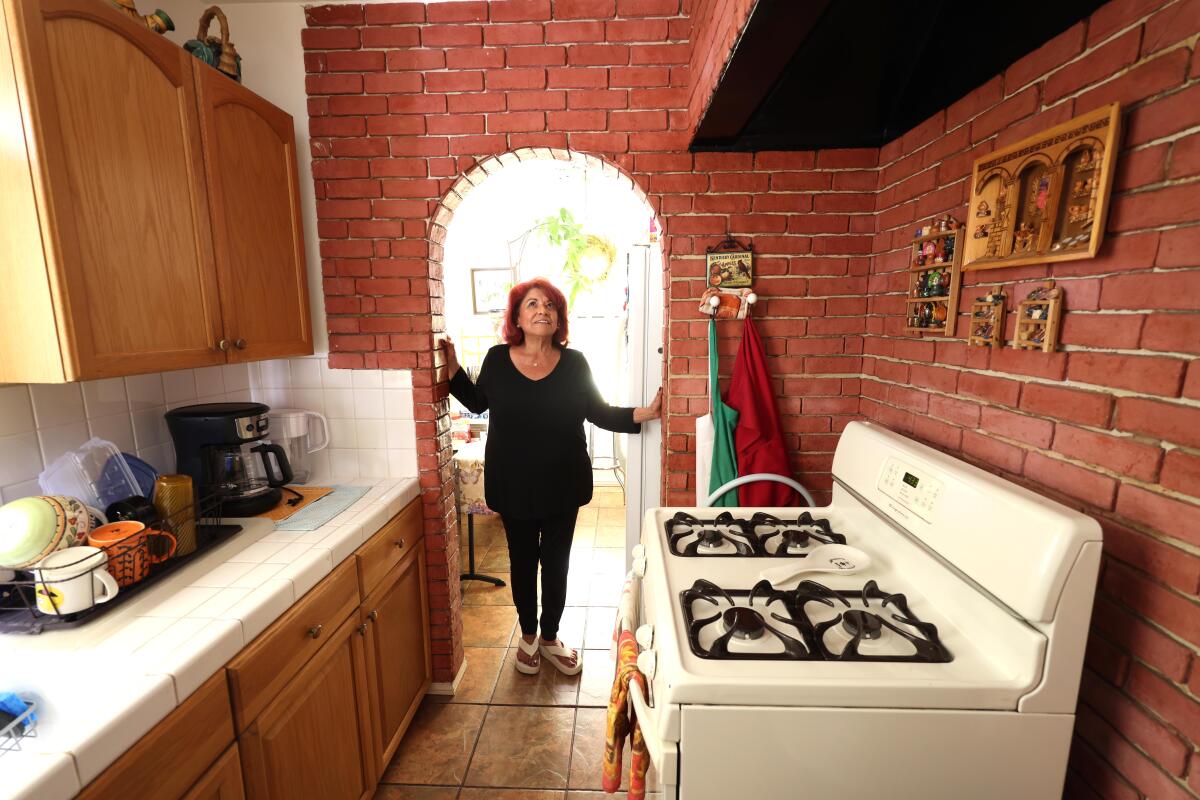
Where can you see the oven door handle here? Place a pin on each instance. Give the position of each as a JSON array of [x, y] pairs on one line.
[[665, 755]]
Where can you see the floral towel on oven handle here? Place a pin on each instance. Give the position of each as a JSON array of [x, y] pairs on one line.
[[622, 723]]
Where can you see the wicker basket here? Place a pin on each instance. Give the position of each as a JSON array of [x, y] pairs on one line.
[[219, 53]]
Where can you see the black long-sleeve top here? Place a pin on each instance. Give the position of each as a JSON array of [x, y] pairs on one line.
[[536, 462]]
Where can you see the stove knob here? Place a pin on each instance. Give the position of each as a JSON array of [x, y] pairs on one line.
[[639, 551], [647, 663], [639, 567], [645, 636]]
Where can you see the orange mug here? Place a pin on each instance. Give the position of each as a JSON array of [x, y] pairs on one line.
[[127, 544]]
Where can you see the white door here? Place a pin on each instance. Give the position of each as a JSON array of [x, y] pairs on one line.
[[645, 367]]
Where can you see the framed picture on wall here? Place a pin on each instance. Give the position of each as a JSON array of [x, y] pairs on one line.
[[489, 289]]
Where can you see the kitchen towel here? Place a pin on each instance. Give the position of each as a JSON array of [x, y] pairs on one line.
[[716, 460], [627, 608], [314, 516], [622, 723], [759, 433]]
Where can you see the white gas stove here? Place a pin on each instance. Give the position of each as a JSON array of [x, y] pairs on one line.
[[948, 668]]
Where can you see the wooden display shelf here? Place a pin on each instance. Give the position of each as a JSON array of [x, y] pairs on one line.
[[987, 320], [1038, 318], [934, 314]]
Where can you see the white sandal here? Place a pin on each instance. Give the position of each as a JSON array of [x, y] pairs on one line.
[[551, 652], [529, 649]]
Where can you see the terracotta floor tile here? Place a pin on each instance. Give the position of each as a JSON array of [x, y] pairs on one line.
[[483, 666], [481, 593], [513, 794], [598, 634], [392, 792], [496, 559], [581, 561], [596, 680], [614, 515], [587, 752], [438, 745], [602, 796], [488, 626], [584, 535], [548, 687], [610, 536], [587, 516], [523, 747], [608, 559]]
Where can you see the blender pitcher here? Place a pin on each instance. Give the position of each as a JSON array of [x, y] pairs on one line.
[[296, 431]]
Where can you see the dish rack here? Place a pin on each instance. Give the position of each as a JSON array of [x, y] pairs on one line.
[[23, 727], [19, 612]]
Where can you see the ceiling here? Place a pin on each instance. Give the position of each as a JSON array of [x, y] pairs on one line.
[[812, 74]]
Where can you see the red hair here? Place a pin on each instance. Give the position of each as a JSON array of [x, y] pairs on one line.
[[516, 295]]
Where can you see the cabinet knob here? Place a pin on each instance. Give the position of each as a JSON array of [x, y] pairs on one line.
[[400, 543], [374, 614], [240, 344], [223, 345], [315, 631], [362, 629]]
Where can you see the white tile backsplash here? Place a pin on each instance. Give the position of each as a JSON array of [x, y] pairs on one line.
[[370, 416], [16, 410], [57, 403], [40, 422], [105, 397]]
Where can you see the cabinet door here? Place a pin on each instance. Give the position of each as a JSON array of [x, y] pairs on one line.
[[397, 617], [223, 781], [314, 739], [250, 158], [125, 219]]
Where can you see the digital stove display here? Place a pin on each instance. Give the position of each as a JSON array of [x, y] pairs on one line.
[[763, 535], [911, 480], [808, 623]]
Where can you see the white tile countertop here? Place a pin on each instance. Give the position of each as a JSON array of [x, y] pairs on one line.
[[102, 686]]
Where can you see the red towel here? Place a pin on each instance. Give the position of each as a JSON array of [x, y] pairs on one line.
[[759, 434]]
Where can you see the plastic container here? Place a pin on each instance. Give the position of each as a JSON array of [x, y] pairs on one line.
[[96, 473]]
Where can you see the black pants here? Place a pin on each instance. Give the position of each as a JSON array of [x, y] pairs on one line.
[[548, 540]]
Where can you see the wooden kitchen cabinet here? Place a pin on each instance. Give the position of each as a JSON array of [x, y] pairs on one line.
[[222, 782], [174, 755], [106, 232], [399, 669], [314, 739], [250, 161]]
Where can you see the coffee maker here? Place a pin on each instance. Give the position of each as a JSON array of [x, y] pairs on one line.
[[221, 446]]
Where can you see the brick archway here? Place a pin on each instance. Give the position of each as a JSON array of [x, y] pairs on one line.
[[432, 407]]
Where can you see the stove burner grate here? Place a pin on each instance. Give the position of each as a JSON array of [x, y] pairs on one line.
[[795, 536], [689, 536], [738, 618]]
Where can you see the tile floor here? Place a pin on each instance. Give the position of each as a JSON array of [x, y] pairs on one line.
[[508, 736]]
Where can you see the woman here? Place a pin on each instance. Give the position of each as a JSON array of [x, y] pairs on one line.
[[537, 472]]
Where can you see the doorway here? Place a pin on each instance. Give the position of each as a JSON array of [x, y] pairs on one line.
[[587, 227]]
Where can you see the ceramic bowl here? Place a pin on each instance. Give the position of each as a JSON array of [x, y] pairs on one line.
[[33, 527]]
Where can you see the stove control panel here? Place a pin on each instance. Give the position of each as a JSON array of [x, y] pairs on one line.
[[911, 487]]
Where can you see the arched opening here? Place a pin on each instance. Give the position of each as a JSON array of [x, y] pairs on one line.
[[516, 216]]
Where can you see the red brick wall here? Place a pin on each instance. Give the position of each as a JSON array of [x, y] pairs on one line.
[[717, 24], [1108, 424], [406, 99]]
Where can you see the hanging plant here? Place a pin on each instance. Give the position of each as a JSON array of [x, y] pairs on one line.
[[589, 257]]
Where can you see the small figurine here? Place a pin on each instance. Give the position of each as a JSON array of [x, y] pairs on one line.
[[983, 209], [1023, 238], [159, 21], [981, 232]]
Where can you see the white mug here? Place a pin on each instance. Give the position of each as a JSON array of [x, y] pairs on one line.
[[73, 579]]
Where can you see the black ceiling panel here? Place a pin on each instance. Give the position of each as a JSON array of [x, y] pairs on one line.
[[812, 74]]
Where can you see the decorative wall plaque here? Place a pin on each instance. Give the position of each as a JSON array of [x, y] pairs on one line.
[[1044, 198], [730, 265]]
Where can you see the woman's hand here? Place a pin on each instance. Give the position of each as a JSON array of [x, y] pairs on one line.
[[652, 411], [451, 357]]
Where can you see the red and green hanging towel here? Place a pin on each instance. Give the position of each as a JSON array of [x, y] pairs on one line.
[[758, 437]]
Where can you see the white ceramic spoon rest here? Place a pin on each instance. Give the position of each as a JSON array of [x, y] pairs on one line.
[[826, 558]]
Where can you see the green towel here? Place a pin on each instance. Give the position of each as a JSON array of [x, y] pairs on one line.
[[724, 454]]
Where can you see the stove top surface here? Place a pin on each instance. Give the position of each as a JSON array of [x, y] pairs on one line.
[[755, 535]]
